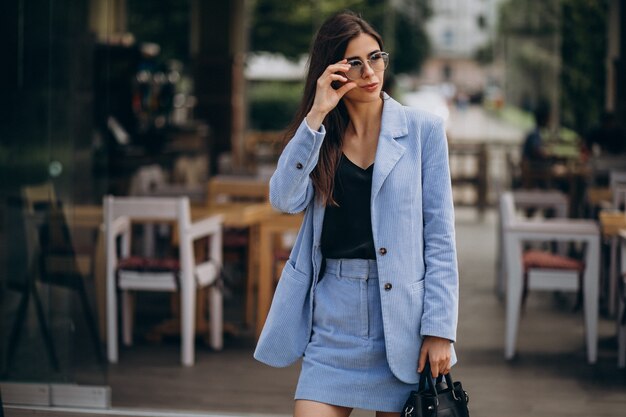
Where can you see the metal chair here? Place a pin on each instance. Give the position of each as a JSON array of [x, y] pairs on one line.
[[54, 260]]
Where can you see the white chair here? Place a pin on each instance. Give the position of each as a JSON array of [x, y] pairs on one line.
[[182, 274], [616, 177], [535, 199], [600, 167], [549, 272], [617, 182], [621, 316]]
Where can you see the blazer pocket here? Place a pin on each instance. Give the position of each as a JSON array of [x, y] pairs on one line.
[[291, 272], [417, 286]]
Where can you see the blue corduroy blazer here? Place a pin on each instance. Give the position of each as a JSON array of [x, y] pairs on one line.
[[412, 219]]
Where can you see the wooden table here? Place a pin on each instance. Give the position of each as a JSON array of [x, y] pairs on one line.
[[611, 222], [268, 228], [231, 188], [234, 214]]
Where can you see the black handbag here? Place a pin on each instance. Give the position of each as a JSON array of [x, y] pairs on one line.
[[434, 399]]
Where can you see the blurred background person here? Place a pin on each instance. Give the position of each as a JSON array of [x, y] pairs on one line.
[[533, 148]]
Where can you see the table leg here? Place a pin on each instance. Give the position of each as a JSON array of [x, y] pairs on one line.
[[264, 277], [591, 301], [252, 274], [100, 283], [621, 327], [612, 304]]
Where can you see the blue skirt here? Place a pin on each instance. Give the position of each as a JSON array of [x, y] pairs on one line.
[[345, 362]]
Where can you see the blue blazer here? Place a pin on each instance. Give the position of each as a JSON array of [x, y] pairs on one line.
[[412, 218]]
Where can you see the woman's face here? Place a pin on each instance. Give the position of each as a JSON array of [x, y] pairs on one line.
[[370, 81]]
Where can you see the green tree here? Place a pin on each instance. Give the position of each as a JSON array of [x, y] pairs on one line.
[[557, 44], [528, 31], [583, 51], [288, 26], [283, 26], [165, 23]]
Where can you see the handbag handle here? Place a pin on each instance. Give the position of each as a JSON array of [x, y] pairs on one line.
[[426, 373], [432, 384]]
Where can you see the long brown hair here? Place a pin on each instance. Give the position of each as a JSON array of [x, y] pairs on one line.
[[329, 47]]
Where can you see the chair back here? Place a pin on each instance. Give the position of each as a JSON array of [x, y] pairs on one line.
[[541, 200], [617, 182], [44, 220], [230, 189], [146, 208], [51, 244], [619, 197], [511, 201], [121, 211], [34, 195], [602, 166], [616, 178]]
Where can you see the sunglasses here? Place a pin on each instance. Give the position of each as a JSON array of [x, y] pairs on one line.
[[378, 61]]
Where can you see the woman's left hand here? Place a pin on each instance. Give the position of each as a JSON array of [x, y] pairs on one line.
[[437, 351]]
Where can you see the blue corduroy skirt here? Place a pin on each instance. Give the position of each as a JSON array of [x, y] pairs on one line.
[[345, 362]]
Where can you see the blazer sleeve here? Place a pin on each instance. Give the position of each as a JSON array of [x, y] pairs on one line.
[[291, 188], [441, 281]]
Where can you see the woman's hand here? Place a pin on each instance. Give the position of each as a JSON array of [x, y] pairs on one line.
[[437, 351], [326, 97]]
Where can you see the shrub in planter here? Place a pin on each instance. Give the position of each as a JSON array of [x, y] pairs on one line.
[[272, 105]]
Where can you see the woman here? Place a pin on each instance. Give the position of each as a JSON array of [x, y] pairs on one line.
[[370, 291]]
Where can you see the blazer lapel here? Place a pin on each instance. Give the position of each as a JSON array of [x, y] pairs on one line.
[[388, 151]]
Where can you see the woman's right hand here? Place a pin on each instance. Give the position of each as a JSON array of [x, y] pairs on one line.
[[326, 97]]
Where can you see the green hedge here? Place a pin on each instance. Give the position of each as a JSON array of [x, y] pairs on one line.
[[272, 105]]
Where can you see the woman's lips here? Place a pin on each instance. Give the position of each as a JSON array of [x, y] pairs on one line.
[[370, 87]]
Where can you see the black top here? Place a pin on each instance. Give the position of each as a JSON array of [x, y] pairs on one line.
[[347, 229]]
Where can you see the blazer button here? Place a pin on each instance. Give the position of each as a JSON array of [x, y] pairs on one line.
[[388, 286], [299, 165], [382, 251]]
